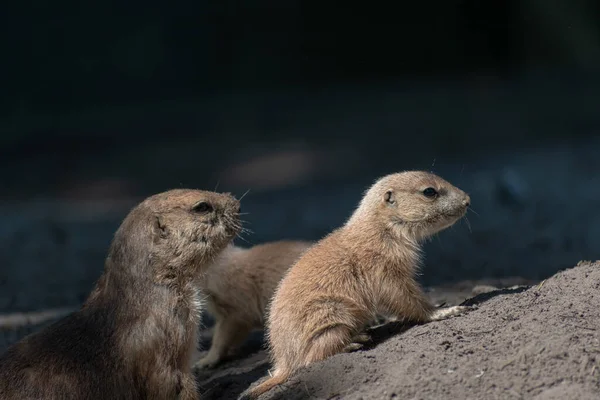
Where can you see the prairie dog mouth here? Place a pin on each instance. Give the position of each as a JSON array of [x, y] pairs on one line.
[[444, 216]]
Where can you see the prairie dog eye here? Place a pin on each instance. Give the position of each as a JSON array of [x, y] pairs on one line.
[[430, 192], [389, 197], [202, 207]]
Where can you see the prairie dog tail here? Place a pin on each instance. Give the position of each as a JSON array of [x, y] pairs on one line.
[[279, 376]]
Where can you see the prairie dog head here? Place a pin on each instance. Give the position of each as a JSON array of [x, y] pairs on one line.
[[413, 204], [178, 228]]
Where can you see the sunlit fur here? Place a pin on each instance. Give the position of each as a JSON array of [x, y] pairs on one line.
[[135, 335], [366, 267]]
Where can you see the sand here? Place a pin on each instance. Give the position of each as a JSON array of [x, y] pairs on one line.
[[523, 342]]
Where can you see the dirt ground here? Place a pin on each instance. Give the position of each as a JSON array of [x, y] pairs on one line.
[[521, 342]]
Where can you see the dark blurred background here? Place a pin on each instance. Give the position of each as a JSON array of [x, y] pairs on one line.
[[304, 104]]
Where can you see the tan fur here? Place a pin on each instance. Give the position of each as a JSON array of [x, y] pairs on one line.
[[134, 336], [238, 287], [366, 267]]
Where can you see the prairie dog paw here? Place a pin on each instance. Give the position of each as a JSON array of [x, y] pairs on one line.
[[363, 338], [352, 347], [205, 363], [447, 312], [358, 343]]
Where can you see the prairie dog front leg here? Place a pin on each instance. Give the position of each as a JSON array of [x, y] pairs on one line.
[[405, 301], [228, 333]]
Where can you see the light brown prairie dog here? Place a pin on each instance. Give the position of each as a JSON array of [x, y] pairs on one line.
[[238, 287], [367, 266]]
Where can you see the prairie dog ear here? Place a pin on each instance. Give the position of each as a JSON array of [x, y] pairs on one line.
[[389, 197], [160, 229]]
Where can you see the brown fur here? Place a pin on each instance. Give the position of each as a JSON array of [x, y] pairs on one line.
[[366, 267], [238, 287], [134, 336]]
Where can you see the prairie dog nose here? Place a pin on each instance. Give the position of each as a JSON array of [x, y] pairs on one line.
[[467, 201]]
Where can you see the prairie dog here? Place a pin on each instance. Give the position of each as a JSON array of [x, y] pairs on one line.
[[238, 287], [134, 336], [367, 266]]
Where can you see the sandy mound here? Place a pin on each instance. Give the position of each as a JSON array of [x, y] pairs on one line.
[[540, 342]]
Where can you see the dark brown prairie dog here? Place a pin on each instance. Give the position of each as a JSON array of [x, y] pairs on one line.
[[367, 266], [136, 333], [238, 287]]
